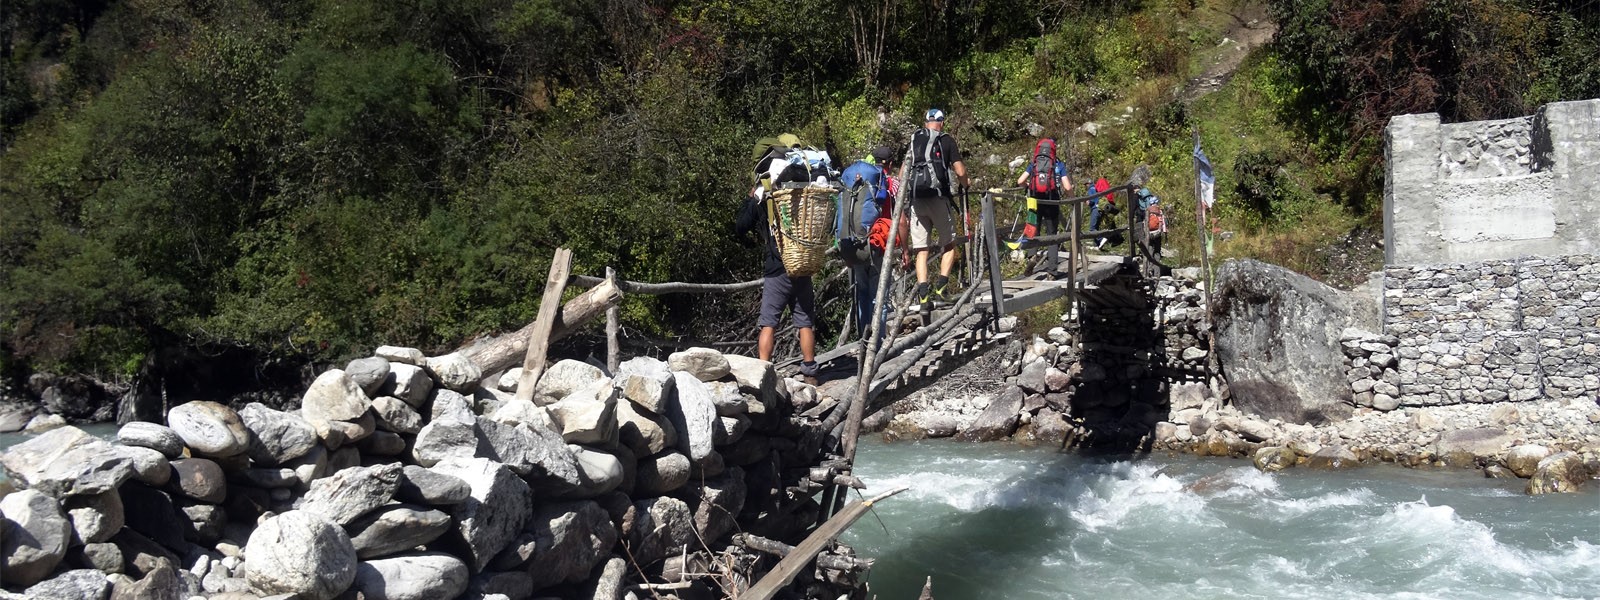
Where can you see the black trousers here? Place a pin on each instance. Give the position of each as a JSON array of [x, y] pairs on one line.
[[1050, 224]]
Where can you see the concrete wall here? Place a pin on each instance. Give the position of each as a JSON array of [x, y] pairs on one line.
[[1487, 190]]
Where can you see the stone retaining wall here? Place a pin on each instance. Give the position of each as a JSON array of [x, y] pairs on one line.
[[404, 476], [1498, 330]]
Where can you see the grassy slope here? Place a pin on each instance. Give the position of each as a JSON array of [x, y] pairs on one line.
[[1304, 207]]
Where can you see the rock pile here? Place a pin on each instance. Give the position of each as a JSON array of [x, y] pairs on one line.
[[401, 476], [1373, 371]]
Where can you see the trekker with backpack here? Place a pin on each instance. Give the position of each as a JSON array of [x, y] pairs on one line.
[[779, 290], [1155, 222], [864, 202], [1104, 206], [1046, 179], [932, 165]]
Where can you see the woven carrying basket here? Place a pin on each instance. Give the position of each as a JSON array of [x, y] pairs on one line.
[[804, 227]]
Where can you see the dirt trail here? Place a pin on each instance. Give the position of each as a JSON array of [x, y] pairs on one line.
[[1251, 28]]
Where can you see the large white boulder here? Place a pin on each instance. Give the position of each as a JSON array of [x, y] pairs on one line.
[[300, 553], [33, 536], [703, 363], [209, 428], [418, 576], [495, 512], [67, 461], [334, 396]]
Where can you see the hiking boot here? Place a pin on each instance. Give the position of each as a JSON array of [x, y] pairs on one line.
[[940, 285], [922, 297]]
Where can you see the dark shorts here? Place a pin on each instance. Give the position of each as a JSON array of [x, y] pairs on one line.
[[780, 291]]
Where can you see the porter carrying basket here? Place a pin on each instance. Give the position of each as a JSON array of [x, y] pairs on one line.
[[802, 223]]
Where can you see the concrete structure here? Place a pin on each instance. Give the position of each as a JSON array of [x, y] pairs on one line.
[[1488, 190], [1492, 244]]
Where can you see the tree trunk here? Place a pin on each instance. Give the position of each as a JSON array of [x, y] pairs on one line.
[[498, 353]]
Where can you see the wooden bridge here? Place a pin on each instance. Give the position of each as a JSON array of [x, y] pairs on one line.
[[899, 354], [939, 341]]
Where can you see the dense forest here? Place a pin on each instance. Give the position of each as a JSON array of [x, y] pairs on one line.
[[305, 179]]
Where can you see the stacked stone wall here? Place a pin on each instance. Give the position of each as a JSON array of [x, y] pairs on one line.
[[1497, 330]]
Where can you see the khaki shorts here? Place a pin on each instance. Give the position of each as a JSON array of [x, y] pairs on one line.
[[928, 215]]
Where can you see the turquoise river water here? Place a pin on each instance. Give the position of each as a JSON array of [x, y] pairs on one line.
[[996, 521]]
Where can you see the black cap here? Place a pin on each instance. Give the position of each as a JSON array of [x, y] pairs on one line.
[[882, 154]]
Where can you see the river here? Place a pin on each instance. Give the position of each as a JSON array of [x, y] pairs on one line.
[[996, 521]]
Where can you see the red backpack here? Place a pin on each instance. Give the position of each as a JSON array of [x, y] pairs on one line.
[[1044, 182]]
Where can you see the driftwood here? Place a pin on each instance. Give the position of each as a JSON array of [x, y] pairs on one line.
[[539, 339], [779, 549], [813, 545], [498, 353], [671, 287]]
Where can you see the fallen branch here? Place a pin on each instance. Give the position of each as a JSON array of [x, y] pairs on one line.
[[501, 352], [791, 565], [671, 287]]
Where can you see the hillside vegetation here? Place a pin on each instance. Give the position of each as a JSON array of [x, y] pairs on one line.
[[309, 178]]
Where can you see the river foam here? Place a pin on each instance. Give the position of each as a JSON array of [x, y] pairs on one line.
[[998, 522]]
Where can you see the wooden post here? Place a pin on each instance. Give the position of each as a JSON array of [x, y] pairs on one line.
[[539, 339], [613, 329], [1200, 215], [1072, 259], [996, 289], [869, 352]]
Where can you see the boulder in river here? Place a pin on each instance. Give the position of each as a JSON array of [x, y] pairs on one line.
[[1274, 458], [1524, 460], [1278, 338], [1562, 472], [998, 420]]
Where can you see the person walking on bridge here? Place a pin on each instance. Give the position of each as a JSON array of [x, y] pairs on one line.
[[778, 289], [1046, 179], [865, 202], [932, 165]]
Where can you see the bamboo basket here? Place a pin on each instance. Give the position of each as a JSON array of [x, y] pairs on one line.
[[804, 227]]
